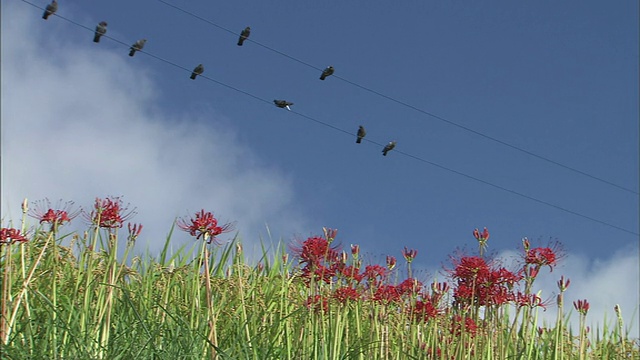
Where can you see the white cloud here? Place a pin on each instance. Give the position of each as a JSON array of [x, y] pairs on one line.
[[80, 122]]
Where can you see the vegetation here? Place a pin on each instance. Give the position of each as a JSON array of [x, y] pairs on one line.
[[92, 299]]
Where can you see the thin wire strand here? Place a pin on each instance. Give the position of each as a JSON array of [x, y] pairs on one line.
[[405, 104], [333, 127]]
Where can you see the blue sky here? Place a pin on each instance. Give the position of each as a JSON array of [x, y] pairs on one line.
[[560, 80]]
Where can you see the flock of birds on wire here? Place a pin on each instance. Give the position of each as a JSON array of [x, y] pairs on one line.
[[101, 29]]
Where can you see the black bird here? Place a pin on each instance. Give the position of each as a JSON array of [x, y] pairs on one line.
[[137, 46], [361, 133], [326, 72], [388, 147], [197, 71], [283, 104], [50, 9], [244, 35], [101, 29]]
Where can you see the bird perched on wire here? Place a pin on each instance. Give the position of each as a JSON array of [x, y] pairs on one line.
[[197, 71], [50, 9], [326, 72], [137, 46], [244, 35], [101, 29], [388, 147], [361, 134], [283, 104]]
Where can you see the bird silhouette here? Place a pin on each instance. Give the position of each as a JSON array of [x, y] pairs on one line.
[[361, 134], [244, 35], [197, 71], [388, 147], [101, 29], [137, 46], [283, 104], [50, 9], [326, 72]]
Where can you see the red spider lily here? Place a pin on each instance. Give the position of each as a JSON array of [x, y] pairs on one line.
[[330, 234], [391, 262], [481, 236], [541, 256], [11, 235], [134, 231], [355, 250], [345, 294], [204, 225], [374, 273], [318, 273], [440, 287], [423, 311], [315, 251], [43, 212], [529, 300], [352, 273], [409, 254], [582, 306], [480, 284], [109, 213], [562, 284], [410, 286], [470, 326], [387, 294]]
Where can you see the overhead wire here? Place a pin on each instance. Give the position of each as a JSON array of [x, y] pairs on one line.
[[349, 133], [405, 104]]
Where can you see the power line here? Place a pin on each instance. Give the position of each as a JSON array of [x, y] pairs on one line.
[[405, 104], [351, 134]]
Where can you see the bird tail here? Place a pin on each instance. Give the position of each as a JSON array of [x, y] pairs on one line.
[[240, 41], [96, 38], [322, 77], [384, 152], [359, 140], [45, 15], [132, 52], [193, 76]]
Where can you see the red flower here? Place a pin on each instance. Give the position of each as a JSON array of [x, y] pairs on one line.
[[352, 273], [345, 294], [109, 213], [315, 251], [481, 236], [374, 273], [134, 231], [204, 225], [391, 262], [355, 250], [424, 311], [562, 284], [470, 326], [43, 212], [540, 257], [410, 286], [582, 306], [529, 300], [10, 235], [409, 254], [387, 294]]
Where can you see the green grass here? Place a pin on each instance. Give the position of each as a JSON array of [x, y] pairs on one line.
[[84, 301]]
